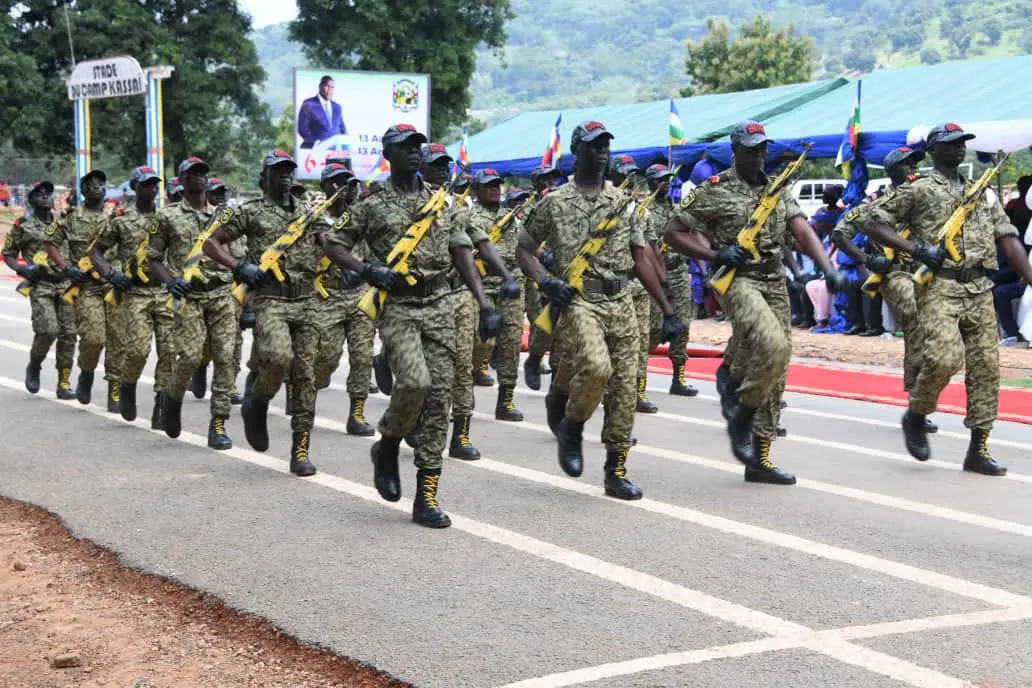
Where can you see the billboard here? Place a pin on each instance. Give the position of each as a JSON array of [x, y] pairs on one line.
[[342, 113]]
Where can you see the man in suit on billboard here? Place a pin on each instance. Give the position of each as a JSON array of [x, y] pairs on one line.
[[320, 117]]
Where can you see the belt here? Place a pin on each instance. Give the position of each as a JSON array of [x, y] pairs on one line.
[[211, 285], [286, 290], [139, 284], [768, 266], [51, 278], [605, 287], [962, 275], [422, 287]]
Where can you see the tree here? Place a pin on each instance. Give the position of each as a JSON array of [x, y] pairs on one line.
[[993, 30], [930, 56], [412, 36], [761, 56]]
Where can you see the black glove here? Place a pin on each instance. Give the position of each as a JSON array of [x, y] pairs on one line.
[[878, 264], [490, 324], [248, 273], [730, 256], [177, 287], [248, 318], [349, 279], [29, 272], [672, 328], [379, 276], [836, 281], [76, 275], [118, 279], [548, 262], [558, 292], [932, 256], [510, 288]]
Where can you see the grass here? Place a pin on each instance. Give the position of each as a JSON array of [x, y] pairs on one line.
[[1021, 383]]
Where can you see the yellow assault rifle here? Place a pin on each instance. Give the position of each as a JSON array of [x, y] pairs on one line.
[[270, 258], [722, 278], [372, 302], [581, 263], [191, 266], [874, 280], [495, 235], [87, 266], [25, 286], [135, 268], [947, 236]]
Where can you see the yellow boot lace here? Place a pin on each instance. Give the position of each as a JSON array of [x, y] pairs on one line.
[[983, 444], [220, 426], [115, 395], [66, 375], [484, 368], [507, 401], [765, 461], [302, 448], [464, 433], [680, 376], [641, 388], [620, 469], [430, 490], [358, 413]]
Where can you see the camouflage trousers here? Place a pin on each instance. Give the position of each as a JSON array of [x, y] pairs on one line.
[[898, 291], [507, 344], [958, 332], [761, 347], [603, 343], [209, 319], [286, 344], [645, 312], [467, 322], [145, 314], [53, 319], [539, 342], [100, 329], [238, 348], [419, 342], [339, 320], [680, 283]]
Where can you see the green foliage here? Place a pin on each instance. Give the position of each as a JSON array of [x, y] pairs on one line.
[[930, 56], [285, 129], [279, 56], [384, 35], [761, 56]]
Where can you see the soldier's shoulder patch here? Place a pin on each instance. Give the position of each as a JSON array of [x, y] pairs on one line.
[[51, 229], [226, 216], [343, 221], [689, 198], [152, 226], [853, 214]]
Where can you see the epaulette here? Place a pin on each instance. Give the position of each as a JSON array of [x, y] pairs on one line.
[[715, 179], [119, 212], [913, 177], [18, 223]]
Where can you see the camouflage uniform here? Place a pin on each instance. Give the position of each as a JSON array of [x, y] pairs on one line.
[[52, 317], [538, 342], [679, 282]]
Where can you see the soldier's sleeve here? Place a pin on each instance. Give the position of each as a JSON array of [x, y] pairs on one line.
[[235, 225], [12, 244], [57, 232], [536, 225], [459, 236], [157, 245], [693, 210], [1002, 226], [476, 227], [897, 209], [109, 236], [852, 222], [792, 208], [636, 224], [349, 228]]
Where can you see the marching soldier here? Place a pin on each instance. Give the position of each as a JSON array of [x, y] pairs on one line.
[[174, 191], [598, 314], [756, 303], [143, 309], [53, 319], [96, 321], [955, 312], [417, 324]]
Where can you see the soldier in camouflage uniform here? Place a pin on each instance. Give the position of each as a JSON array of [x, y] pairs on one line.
[[678, 280], [286, 338], [206, 308], [756, 303], [337, 314], [143, 304], [897, 286], [52, 317], [417, 324], [538, 342], [955, 311], [599, 317], [96, 321], [174, 191]]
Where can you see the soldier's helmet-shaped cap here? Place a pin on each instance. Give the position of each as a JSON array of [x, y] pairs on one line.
[[487, 176], [543, 171], [898, 155], [141, 175], [623, 164], [588, 131], [99, 174], [278, 157], [434, 152], [462, 182], [402, 132], [42, 185], [516, 193], [335, 169], [191, 163], [175, 185], [945, 133], [749, 134], [214, 184], [658, 172]]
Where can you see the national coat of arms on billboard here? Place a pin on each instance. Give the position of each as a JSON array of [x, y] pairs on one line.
[[405, 95]]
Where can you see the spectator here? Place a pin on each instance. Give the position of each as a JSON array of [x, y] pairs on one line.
[[1017, 210], [1007, 286], [5, 194]]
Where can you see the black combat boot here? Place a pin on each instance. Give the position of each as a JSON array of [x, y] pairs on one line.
[[930, 427], [739, 429], [555, 408], [171, 415], [763, 469], [373, 389], [217, 437], [300, 463], [127, 400], [481, 378], [32, 376], [157, 417], [382, 373], [643, 404], [235, 397], [84, 388], [532, 372], [425, 509], [249, 382], [571, 447], [255, 413], [460, 446], [915, 435], [678, 386], [199, 382], [114, 397], [726, 390], [616, 483], [64, 384], [505, 408], [978, 459], [781, 431], [357, 424], [385, 468]]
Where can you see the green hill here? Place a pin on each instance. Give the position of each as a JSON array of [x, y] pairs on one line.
[[562, 53]]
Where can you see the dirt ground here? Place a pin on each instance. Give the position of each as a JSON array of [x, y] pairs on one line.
[[67, 601]]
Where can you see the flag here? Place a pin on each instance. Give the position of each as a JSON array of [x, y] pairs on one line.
[[463, 149], [381, 168], [854, 168], [554, 151], [676, 130]]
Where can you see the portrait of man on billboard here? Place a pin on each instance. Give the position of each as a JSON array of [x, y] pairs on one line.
[[320, 118]]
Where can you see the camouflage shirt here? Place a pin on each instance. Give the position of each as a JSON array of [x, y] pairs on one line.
[[720, 208], [27, 238], [126, 231], [263, 222], [382, 219], [179, 225], [656, 221], [477, 222], [927, 203], [566, 218], [852, 222], [329, 225], [77, 231]]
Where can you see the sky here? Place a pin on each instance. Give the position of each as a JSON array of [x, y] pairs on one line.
[[265, 12]]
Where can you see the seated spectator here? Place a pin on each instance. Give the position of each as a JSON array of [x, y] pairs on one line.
[[1007, 286]]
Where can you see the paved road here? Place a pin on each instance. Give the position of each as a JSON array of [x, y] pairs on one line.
[[874, 571]]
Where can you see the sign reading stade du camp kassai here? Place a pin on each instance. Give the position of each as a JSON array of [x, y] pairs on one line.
[[111, 77]]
